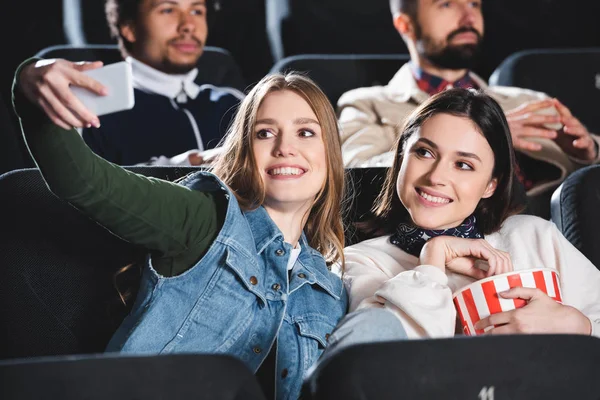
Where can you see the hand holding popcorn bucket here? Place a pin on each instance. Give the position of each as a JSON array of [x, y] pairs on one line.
[[481, 299]]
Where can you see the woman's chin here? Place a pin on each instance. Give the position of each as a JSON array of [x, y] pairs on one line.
[[433, 224]]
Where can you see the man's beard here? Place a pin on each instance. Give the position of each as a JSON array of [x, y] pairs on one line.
[[171, 68], [447, 56], [174, 68]]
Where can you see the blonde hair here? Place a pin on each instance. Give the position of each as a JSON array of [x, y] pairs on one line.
[[237, 168]]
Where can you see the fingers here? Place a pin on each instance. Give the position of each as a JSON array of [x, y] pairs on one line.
[[531, 126], [507, 329], [521, 293], [575, 139], [522, 144], [530, 107], [583, 143], [574, 128], [78, 78], [85, 117], [499, 261], [465, 252], [87, 66], [561, 108], [534, 119], [530, 131], [474, 272], [495, 319], [53, 116], [48, 84], [58, 108]]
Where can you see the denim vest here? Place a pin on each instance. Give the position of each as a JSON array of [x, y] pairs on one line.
[[239, 298]]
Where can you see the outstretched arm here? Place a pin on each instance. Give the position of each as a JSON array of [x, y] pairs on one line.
[[159, 215]]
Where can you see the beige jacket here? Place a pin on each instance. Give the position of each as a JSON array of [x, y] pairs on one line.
[[379, 274], [371, 119]]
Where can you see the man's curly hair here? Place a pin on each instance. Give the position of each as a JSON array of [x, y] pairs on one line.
[[117, 13]]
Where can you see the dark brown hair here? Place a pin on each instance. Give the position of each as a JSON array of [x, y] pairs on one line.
[[119, 12], [489, 119]]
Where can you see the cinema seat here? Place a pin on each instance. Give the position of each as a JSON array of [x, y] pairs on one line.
[[575, 209], [338, 73], [57, 294], [571, 75]]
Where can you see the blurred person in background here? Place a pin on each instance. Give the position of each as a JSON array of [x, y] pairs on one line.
[[174, 120], [444, 39]]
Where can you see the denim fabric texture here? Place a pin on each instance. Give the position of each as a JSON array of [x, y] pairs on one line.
[[239, 298]]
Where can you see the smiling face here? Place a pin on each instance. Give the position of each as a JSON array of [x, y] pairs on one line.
[[168, 35], [446, 170], [289, 151]]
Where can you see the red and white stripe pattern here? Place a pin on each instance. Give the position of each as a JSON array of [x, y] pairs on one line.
[[478, 301]]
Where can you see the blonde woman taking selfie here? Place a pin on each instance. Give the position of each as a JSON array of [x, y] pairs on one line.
[[238, 258]]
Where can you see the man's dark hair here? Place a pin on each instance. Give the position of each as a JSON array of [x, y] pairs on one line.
[[117, 13], [408, 7]]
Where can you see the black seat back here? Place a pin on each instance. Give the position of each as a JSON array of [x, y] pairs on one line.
[[332, 26], [486, 368], [125, 377], [364, 185], [571, 75], [57, 292], [12, 147], [336, 74], [575, 209]]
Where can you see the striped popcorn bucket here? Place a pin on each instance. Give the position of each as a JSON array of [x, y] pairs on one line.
[[480, 299]]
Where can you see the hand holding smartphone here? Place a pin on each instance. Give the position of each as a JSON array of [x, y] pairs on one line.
[[118, 79]]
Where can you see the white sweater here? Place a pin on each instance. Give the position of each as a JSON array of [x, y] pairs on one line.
[[379, 274]]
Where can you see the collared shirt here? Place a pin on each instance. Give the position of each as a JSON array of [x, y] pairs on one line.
[[174, 86], [432, 84]]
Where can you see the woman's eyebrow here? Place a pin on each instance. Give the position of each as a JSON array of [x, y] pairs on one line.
[[427, 141], [266, 121], [298, 121], [468, 155], [302, 121], [459, 153]]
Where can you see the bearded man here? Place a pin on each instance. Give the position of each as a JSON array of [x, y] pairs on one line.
[[444, 39]]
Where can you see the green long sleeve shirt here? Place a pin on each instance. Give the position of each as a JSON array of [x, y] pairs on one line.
[[176, 224]]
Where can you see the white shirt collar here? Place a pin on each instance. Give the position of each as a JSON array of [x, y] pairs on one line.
[[293, 257], [150, 80]]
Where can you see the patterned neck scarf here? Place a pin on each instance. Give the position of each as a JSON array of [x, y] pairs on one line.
[[412, 239]]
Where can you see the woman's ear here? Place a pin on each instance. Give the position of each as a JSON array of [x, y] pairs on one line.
[[490, 189], [404, 25]]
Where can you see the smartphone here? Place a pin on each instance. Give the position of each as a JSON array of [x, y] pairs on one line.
[[118, 79]]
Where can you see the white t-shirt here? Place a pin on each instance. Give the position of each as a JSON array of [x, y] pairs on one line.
[[293, 257]]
